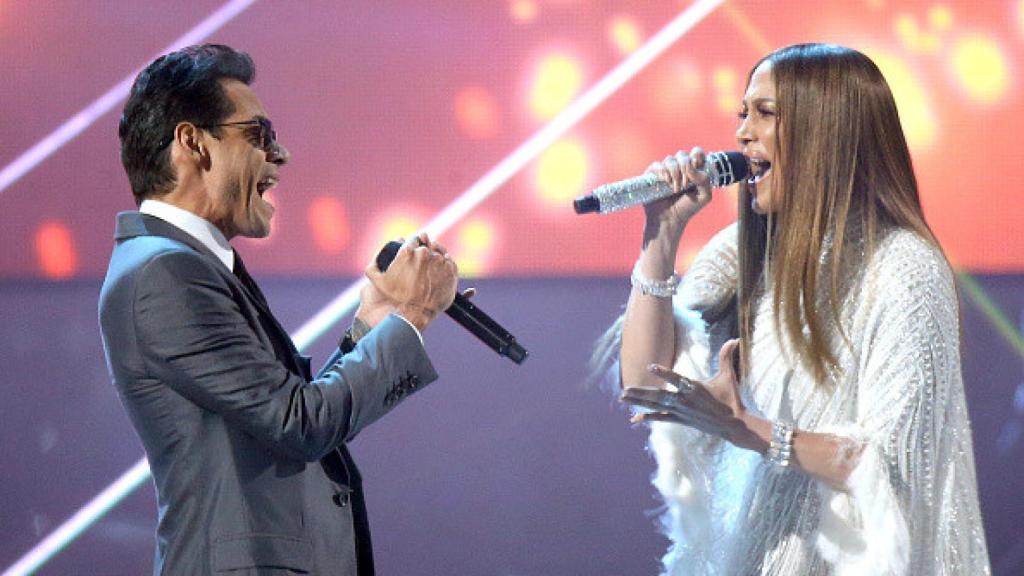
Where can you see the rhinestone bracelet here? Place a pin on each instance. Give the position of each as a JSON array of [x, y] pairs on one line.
[[658, 288], [781, 447]]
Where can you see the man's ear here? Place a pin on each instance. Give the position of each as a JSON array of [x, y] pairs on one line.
[[190, 140]]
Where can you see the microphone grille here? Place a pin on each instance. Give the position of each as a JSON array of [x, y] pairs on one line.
[[725, 168]]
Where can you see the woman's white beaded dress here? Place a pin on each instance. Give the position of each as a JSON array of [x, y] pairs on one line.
[[911, 504]]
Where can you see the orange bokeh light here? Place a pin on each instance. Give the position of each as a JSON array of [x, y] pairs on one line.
[[982, 68], [55, 250], [476, 112], [395, 223], [562, 173], [912, 99], [624, 33], [727, 90], [557, 79], [474, 250], [329, 223], [523, 10]]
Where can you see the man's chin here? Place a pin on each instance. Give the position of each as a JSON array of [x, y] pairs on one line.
[[256, 230]]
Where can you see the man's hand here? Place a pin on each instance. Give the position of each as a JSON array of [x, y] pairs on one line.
[[419, 284]]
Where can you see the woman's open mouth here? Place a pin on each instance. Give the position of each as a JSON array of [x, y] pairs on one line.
[[758, 170]]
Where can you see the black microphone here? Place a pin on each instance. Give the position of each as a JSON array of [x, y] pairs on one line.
[[469, 316], [723, 168]]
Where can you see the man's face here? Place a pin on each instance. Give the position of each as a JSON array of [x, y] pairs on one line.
[[240, 171]]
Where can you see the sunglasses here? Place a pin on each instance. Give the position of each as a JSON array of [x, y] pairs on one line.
[[260, 132]]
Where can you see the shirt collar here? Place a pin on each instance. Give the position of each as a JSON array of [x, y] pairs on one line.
[[199, 228]]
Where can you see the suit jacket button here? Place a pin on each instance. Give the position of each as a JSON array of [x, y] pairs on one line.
[[340, 499]]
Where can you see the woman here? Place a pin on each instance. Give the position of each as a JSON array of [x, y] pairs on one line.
[[813, 421]]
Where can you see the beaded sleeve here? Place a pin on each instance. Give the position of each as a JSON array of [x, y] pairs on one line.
[[911, 504]]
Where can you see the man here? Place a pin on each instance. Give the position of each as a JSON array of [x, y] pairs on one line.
[[247, 449]]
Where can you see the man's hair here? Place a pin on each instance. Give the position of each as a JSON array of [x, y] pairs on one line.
[[183, 86]]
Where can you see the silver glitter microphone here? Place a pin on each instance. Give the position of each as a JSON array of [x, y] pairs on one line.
[[723, 168]]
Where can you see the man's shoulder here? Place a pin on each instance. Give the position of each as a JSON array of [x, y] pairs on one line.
[[156, 261], [141, 252]]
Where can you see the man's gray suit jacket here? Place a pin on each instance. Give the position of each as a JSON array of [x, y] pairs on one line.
[[247, 450]]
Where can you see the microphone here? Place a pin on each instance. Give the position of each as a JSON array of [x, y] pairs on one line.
[[469, 316], [723, 168]]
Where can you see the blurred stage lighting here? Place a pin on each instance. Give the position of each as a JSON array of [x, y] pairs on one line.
[[728, 90], [55, 250], [477, 113], [562, 173], [523, 10], [624, 34], [329, 223], [920, 124], [476, 246], [981, 67], [556, 82]]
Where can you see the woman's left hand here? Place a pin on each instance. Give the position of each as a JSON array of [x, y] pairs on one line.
[[713, 407]]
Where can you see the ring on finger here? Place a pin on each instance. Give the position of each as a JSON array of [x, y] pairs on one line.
[[685, 386]]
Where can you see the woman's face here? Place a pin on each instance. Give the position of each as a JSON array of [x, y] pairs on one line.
[[756, 136]]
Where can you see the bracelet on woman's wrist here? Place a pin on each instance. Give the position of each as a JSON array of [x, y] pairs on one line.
[[780, 450], [658, 288]]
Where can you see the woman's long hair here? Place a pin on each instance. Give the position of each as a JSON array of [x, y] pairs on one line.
[[841, 163]]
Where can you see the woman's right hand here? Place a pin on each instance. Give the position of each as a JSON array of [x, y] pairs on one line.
[[680, 170]]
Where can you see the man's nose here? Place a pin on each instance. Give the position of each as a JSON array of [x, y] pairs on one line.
[[279, 155]]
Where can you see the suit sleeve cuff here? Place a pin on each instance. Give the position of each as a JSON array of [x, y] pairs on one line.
[[411, 325]]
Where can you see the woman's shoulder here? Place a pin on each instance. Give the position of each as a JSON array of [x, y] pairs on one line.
[[904, 250], [907, 264]]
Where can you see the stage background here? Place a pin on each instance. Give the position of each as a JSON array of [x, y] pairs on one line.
[[391, 109]]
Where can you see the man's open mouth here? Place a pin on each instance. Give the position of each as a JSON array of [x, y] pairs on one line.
[[265, 184]]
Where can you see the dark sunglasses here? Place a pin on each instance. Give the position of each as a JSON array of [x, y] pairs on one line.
[[259, 130]]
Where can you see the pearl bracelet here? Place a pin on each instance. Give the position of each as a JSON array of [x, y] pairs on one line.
[[781, 448], [657, 288]]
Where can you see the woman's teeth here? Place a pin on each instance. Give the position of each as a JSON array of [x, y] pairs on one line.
[[758, 170]]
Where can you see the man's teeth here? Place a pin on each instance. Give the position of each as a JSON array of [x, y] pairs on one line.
[[264, 185]]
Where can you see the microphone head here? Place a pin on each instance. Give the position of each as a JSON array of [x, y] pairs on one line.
[[515, 352], [725, 168], [586, 204], [387, 254]]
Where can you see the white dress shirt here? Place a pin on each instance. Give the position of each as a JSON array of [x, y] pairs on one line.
[[195, 226]]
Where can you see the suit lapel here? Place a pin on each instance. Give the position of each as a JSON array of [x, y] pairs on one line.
[[132, 224]]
